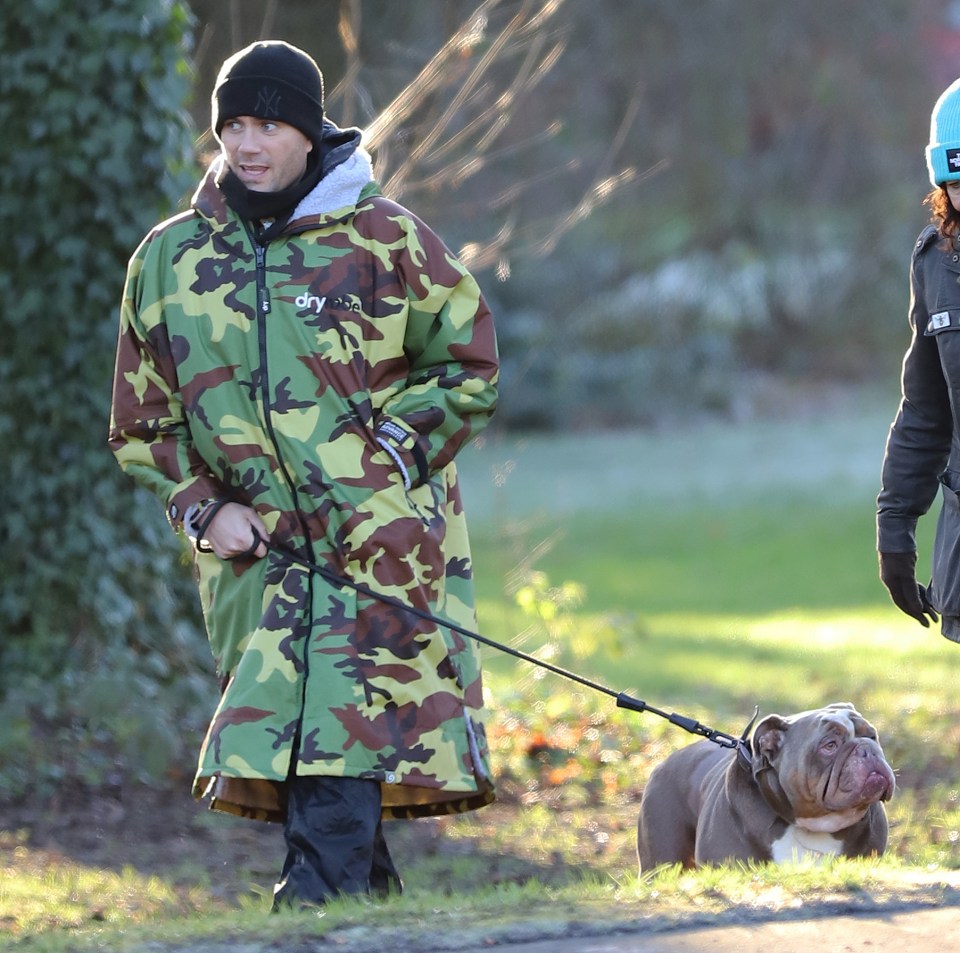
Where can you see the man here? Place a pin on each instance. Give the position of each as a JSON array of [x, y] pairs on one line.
[[299, 362]]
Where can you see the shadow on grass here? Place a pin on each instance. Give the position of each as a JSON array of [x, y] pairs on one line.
[[168, 835]]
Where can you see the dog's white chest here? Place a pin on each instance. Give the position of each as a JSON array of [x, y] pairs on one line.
[[797, 844]]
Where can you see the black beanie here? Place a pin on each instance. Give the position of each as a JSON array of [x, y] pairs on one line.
[[270, 80]]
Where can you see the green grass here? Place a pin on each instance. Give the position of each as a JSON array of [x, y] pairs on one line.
[[719, 568], [794, 591]]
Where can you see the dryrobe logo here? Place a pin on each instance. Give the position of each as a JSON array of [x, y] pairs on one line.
[[313, 302]]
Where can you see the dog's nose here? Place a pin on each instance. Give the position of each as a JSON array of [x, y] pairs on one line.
[[867, 748]]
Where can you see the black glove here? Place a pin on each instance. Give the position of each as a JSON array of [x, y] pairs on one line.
[[898, 572]]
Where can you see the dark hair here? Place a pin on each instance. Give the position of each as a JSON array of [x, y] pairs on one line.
[[943, 214]]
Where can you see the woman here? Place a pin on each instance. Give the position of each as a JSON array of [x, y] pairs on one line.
[[923, 448]]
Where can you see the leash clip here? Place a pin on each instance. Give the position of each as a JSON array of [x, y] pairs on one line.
[[744, 753]]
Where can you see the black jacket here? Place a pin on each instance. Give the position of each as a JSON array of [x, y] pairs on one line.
[[923, 447]]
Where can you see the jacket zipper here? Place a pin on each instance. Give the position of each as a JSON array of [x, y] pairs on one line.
[[263, 293], [263, 309]]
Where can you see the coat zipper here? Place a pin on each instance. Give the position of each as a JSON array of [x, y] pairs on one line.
[[263, 293], [263, 309]]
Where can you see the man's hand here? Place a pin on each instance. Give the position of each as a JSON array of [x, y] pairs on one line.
[[898, 574], [231, 532]]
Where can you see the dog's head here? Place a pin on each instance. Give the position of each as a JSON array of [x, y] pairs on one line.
[[821, 768]]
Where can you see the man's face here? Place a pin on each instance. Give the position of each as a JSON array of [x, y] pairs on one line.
[[264, 154]]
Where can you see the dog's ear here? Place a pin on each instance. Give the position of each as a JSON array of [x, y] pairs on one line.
[[768, 737], [766, 743], [862, 728]]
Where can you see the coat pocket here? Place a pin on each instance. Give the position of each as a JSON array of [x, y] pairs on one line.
[[398, 538], [945, 587], [388, 535], [943, 327], [231, 596], [943, 321]]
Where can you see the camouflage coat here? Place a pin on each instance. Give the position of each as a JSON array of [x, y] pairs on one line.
[[273, 376]]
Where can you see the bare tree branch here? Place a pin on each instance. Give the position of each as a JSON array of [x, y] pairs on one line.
[[348, 28], [395, 184], [269, 16], [429, 78], [452, 115]]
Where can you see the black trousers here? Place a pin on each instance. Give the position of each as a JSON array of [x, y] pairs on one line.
[[335, 842]]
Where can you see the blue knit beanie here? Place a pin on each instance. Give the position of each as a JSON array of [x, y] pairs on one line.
[[943, 153]]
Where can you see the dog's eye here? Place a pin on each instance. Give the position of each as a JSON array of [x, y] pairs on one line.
[[829, 745]]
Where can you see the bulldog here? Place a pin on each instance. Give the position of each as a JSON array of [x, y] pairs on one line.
[[805, 785]]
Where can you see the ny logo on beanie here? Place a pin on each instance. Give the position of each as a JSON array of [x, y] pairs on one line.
[[268, 103]]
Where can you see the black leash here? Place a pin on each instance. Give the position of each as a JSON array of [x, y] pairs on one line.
[[623, 699]]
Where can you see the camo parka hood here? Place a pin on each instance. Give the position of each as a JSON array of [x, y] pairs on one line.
[[305, 378]]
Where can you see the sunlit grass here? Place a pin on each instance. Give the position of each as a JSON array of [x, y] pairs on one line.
[[624, 901], [46, 893], [705, 592]]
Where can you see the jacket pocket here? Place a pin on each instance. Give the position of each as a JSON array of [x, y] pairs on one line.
[[391, 535], [945, 587], [942, 322], [943, 327], [231, 599], [398, 537]]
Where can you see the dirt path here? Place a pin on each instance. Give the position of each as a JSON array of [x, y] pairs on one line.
[[914, 929], [909, 931]]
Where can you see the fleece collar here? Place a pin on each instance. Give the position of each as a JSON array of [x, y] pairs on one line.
[[339, 188]]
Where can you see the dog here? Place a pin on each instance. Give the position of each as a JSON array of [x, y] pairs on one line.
[[806, 785]]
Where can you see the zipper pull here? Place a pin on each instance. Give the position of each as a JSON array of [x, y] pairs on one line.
[[261, 256]]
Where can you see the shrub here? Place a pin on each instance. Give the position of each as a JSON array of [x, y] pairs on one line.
[[92, 604]]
